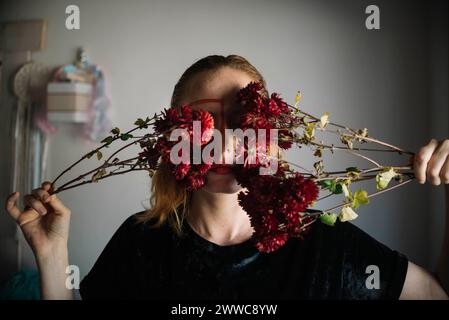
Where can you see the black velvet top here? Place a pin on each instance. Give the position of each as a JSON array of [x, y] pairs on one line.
[[330, 263]]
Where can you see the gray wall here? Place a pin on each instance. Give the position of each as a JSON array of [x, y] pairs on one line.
[[439, 117], [392, 81]]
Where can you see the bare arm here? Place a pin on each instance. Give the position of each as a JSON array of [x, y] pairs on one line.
[[45, 225], [53, 277], [443, 263], [420, 284], [432, 161]]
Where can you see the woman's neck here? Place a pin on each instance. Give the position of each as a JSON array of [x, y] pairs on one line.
[[219, 218]]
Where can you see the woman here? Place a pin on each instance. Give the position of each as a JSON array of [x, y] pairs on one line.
[[196, 245]]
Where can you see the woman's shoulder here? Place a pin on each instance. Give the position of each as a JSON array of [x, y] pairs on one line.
[[345, 242], [347, 255], [138, 235], [137, 238], [134, 226], [339, 231], [136, 244], [342, 236]]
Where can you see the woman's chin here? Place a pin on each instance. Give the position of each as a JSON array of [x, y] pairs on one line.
[[221, 183]]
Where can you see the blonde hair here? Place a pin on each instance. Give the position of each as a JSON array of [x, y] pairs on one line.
[[169, 202]]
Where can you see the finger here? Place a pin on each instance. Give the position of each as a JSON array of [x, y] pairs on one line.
[[46, 185], [444, 174], [27, 216], [35, 204], [436, 162], [421, 160], [40, 194], [11, 206], [57, 205]]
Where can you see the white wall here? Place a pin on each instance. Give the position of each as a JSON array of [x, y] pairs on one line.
[[374, 79]]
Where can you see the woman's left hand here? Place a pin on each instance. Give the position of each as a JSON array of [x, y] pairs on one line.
[[431, 163]]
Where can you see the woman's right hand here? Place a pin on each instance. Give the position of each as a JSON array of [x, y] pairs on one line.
[[44, 221]]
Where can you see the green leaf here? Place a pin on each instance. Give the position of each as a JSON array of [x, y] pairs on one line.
[[99, 155], [309, 132], [90, 154], [332, 186], [384, 178], [328, 218], [140, 122], [337, 189], [325, 184], [108, 140], [360, 198], [125, 136], [115, 131]]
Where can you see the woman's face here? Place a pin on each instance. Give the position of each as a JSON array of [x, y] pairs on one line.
[[215, 91]]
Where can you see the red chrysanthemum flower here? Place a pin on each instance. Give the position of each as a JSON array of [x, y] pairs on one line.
[[285, 139], [189, 175], [260, 112], [272, 242], [281, 105], [207, 125], [276, 205], [151, 155], [181, 170]]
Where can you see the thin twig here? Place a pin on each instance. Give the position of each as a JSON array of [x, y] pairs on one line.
[[105, 165], [91, 153], [374, 194], [100, 178]]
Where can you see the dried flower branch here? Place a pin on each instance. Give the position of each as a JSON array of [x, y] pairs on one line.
[[278, 204]]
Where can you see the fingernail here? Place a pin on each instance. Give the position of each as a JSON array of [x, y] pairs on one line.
[[42, 211]]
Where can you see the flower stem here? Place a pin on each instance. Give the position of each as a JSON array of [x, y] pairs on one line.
[[91, 153], [374, 194]]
